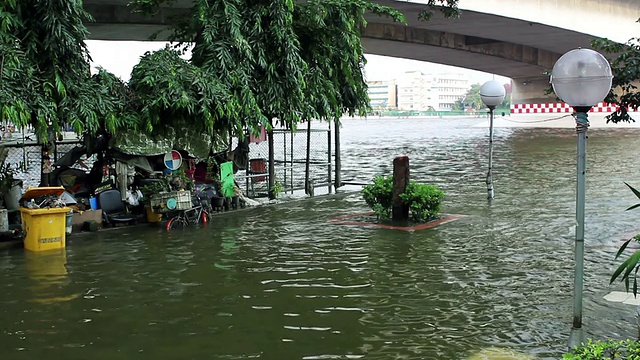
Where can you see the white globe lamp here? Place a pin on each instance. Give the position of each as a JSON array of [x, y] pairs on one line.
[[492, 93]]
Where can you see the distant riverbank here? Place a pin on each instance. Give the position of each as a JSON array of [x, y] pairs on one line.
[[553, 120]]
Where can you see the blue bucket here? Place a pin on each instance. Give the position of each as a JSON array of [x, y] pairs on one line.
[[94, 203]]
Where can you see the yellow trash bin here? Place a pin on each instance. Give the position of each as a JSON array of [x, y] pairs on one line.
[[44, 229]]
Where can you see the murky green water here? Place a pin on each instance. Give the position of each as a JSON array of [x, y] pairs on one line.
[[281, 282]]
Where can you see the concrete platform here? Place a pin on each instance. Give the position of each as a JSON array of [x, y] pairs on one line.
[[622, 297]]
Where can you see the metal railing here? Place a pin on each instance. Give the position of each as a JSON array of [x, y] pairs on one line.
[[290, 153]]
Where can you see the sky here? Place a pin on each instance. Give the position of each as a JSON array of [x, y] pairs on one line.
[[120, 57]]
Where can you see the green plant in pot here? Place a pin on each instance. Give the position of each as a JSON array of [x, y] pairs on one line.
[[7, 183], [152, 189]]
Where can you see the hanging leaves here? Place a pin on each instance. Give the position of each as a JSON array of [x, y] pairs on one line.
[[46, 82], [171, 92], [625, 66]]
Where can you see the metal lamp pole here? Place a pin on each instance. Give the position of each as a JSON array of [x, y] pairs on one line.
[[492, 94], [489, 172], [576, 336], [581, 78]]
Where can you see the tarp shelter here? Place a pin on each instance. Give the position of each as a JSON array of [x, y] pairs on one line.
[[197, 145]]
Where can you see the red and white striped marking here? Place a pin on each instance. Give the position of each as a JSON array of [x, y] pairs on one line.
[[557, 108]]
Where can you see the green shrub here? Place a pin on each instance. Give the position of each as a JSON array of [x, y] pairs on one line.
[[379, 195], [609, 350], [424, 201]]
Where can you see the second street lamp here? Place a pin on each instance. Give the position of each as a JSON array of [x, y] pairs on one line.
[[492, 94], [581, 78]]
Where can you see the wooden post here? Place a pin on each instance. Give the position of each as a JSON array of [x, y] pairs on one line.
[[400, 211]]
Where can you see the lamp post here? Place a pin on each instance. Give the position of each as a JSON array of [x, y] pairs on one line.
[[492, 94], [581, 78]]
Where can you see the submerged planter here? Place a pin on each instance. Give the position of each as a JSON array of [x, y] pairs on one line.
[[12, 197], [369, 219], [151, 216], [217, 203]]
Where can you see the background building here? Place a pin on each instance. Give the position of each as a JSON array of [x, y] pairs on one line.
[[383, 94], [417, 91], [414, 91], [447, 89]]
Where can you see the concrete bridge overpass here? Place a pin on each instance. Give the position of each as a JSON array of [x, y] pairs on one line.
[[519, 39]]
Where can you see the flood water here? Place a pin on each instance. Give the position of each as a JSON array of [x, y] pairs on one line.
[[281, 282]]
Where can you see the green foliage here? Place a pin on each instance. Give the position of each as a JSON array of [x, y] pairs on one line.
[[625, 66], [281, 60], [171, 92], [179, 181], [44, 69], [473, 99], [424, 201], [277, 188], [7, 176], [605, 350], [154, 188], [626, 270], [379, 196], [329, 30], [449, 8]]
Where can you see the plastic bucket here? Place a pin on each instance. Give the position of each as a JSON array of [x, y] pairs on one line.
[[94, 203]]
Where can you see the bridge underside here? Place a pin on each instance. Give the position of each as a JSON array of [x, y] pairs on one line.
[[520, 50]]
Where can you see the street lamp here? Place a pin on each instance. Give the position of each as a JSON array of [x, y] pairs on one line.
[[492, 94], [581, 78]]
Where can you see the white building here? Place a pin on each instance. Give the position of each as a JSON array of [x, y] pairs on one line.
[[422, 92], [414, 91], [447, 89]]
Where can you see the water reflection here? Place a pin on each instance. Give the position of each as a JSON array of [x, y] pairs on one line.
[[49, 275]]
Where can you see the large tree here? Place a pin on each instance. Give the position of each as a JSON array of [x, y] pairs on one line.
[[283, 60], [45, 77]]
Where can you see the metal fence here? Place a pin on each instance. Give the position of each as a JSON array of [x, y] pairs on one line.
[[26, 158], [290, 153]]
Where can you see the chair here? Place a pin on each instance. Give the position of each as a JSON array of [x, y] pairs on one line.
[[114, 210], [256, 173]]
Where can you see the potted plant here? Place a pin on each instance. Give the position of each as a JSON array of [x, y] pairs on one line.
[[148, 191], [9, 186]]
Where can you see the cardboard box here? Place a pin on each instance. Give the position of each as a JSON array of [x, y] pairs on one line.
[[80, 217]]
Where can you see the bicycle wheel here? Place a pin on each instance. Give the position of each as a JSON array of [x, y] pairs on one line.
[[204, 218], [175, 222]]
